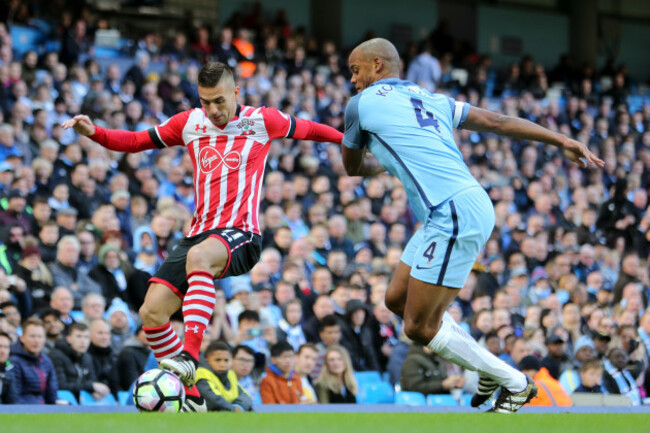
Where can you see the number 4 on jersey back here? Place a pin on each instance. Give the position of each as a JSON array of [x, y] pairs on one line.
[[430, 120]]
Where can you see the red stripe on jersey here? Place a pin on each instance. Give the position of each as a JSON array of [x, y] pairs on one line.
[[246, 111], [253, 177]]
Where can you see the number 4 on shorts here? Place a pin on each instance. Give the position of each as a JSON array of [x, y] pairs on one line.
[[428, 253]]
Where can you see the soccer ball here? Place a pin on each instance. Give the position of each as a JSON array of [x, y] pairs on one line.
[[158, 391]]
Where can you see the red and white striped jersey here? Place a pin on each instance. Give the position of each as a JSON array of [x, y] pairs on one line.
[[228, 162]]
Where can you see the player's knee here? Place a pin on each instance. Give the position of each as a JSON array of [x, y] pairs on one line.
[[419, 330], [151, 316], [197, 258]]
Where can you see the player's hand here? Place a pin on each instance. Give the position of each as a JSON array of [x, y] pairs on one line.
[[81, 124], [577, 152]]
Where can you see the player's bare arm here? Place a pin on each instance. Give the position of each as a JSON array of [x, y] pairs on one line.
[[482, 120], [359, 162], [112, 139]]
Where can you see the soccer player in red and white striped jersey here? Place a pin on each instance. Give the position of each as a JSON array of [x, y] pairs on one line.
[[228, 144]]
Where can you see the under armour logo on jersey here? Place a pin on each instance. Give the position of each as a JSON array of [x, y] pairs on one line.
[[210, 159], [201, 128], [194, 328]]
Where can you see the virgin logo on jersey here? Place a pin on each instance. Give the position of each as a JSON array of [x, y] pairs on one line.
[[210, 159]]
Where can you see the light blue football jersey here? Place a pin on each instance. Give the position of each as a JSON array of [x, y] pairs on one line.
[[409, 131]]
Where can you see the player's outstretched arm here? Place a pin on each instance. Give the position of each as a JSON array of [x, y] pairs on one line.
[[482, 120], [112, 139]]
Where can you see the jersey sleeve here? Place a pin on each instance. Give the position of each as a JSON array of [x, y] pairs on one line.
[[170, 132], [459, 112], [278, 124], [353, 137]]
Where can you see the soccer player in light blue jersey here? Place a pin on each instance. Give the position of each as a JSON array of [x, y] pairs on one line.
[[397, 126]]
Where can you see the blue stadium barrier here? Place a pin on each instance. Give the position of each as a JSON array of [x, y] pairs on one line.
[[375, 392], [85, 398], [409, 398], [367, 377], [125, 398], [62, 394], [441, 400], [25, 39], [106, 53], [52, 46], [466, 400]]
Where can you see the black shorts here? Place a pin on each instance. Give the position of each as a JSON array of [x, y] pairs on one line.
[[244, 251]]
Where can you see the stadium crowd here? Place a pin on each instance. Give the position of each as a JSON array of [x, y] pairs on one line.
[[561, 290]]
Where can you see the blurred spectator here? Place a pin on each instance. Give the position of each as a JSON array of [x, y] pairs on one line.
[[243, 361], [218, 383], [425, 372], [289, 328], [584, 350], [65, 273], [336, 382], [73, 364], [557, 359], [37, 277], [305, 363], [62, 301], [281, 385], [357, 337], [102, 355], [617, 379], [132, 359], [93, 306], [118, 315], [34, 374], [425, 70], [591, 377], [7, 387], [550, 392], [54, 328]]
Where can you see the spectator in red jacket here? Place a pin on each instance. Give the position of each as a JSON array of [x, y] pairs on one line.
[[281, 384]]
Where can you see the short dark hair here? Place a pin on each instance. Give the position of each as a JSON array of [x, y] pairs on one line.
[[211, 73], [327, 321], [50, 312], [280, 347], [217, 346], [248, 315], [81, 327], [7, 336], [244, 348], [311, 346], [8, 304]]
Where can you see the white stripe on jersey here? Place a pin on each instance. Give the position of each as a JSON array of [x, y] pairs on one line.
[[257, 197], [249, 220], [242, 181], [206, 182], [223, 193], [458, 113]]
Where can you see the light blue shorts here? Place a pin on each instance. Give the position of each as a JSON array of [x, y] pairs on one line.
[[443, 250]]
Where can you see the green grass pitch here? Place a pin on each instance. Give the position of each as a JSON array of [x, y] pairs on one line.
[[324, 422]]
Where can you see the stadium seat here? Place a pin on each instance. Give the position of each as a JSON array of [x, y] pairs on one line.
[[125, 398], [105, 52], [441, 400], [25, 39], [86, 399], [375, 392], [67, 396], [409, 398], [367, 377]]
